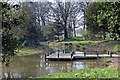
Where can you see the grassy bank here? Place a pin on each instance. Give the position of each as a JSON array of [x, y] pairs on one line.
[[29, 51], [107, 45], [33, 50], [112, 46], [87, 73], [74, 42]]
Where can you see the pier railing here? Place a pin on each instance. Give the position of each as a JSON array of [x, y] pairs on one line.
[[72, 54]]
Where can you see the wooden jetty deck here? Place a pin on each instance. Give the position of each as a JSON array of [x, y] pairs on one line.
[[72, 56]]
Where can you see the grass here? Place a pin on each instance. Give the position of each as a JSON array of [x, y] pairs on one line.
[[74, 42], [28, 51], [87, 73], [78, 38], [33, 50], [109, 45], [112, 46], [117, 47]]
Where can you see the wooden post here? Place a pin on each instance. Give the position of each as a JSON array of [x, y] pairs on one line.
[[45, 57], [111, 54], [73, 52], [108, 52], [58, 56], [48, 54], [71, 55], [84, 54], [97, 54]]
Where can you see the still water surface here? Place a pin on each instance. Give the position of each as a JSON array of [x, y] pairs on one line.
[[35, 65]]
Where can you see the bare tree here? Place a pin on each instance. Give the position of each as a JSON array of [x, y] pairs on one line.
[[67, 13], [76, 13], [83, 9]]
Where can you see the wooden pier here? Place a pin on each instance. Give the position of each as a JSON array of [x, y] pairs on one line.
[[72, 56]]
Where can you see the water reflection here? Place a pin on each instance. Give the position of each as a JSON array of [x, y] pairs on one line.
[[35, 65]]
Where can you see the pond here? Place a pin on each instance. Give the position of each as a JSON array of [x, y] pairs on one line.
[[35, 65]]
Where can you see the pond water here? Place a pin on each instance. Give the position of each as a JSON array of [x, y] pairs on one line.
[[35, 65]]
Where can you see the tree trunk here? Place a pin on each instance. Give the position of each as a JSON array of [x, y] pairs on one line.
[[104, 35], [74, 29], [43, 21], [84, 21], [65, 31], [74, 32]]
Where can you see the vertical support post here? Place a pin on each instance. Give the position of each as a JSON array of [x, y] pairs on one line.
[[108, 52], [111, 54], [84, 54], [97, 54], [45, 57], [71, 55], [58, 56], [73, 52]]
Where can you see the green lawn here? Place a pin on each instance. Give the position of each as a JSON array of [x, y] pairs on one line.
[[87, 73], [28, 51], [108, 45], [33, 50], [74, 42]]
